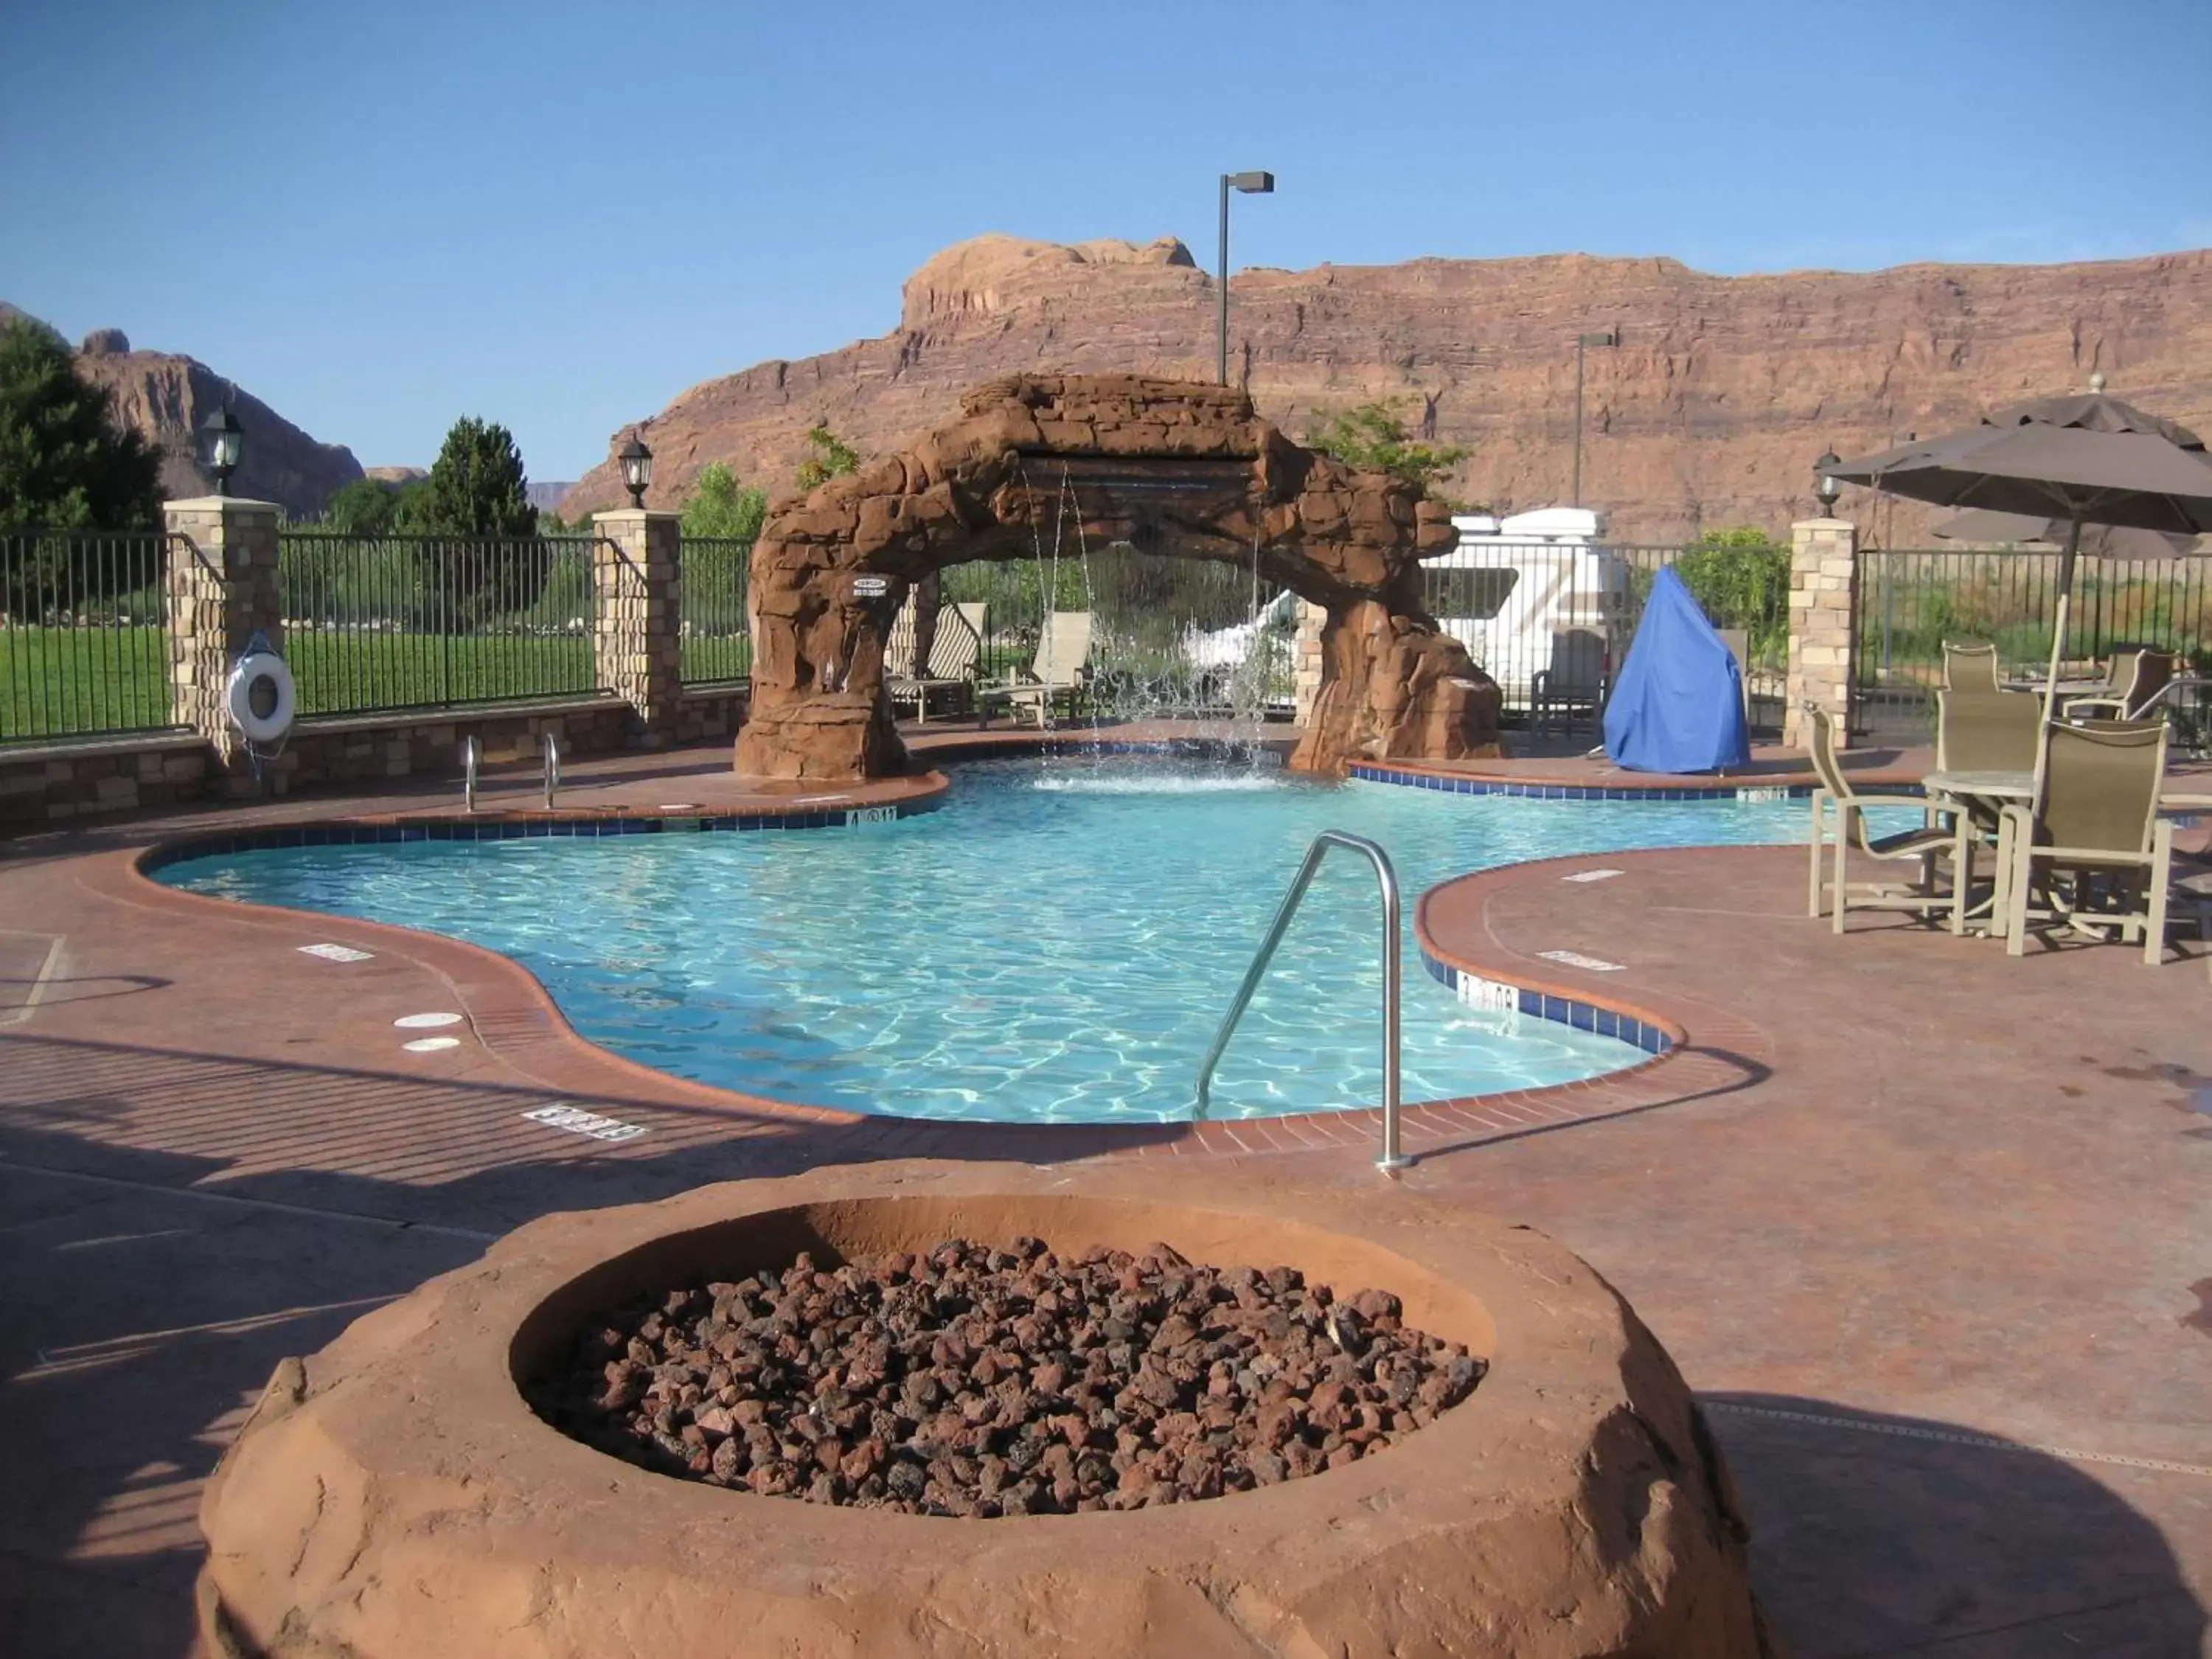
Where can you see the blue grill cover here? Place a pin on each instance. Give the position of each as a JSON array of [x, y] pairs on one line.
[[1678, 706]]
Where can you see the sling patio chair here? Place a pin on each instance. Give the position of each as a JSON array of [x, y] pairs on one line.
[[1986, 730], [1926, 845], [1060, 673], [2094, 854], [1970, 667], [953, 655], [1572, 684], [2135, 680]]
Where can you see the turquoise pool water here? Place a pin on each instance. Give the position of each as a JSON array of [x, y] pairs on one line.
[[1056, 942]]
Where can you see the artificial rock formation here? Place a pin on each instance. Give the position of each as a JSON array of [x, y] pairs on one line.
[[1169, 466], [393, 1497]]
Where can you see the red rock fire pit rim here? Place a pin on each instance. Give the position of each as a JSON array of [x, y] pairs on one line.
[[395, 1490]]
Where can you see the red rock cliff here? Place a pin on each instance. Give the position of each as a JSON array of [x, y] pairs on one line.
[[1722, 392]]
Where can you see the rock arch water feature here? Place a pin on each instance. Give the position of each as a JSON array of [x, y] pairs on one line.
[[1169, 466]]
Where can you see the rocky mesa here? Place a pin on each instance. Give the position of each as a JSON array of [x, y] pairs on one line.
[[1721, 393], [165, 397]]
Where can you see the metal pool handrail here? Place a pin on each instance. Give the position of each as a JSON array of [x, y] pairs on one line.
[[1387, 879], [552, 768], [471, 758]]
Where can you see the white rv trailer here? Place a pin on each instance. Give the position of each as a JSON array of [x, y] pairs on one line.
[[1535, 593]]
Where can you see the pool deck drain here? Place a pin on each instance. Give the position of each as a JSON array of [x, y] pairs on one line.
[[1894, 1197]]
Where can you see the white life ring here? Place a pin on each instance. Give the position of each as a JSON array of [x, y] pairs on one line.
[[259, 695]]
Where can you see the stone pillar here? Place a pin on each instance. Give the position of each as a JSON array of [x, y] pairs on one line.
[[1823, 602], [636, 614], [1305, 659], [222, 591]]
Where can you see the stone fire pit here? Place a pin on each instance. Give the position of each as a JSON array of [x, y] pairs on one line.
[[395, 1495]]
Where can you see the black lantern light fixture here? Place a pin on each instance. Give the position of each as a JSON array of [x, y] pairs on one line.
[[1829, 488], [226, 444], [636, 468]]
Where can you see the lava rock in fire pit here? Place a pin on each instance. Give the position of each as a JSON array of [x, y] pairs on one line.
[[980, 1381]]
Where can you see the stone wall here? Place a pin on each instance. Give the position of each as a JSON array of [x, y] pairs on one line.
[[1168, 465], [63, 782]]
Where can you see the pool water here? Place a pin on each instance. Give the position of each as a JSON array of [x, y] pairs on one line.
[[1056, 942]]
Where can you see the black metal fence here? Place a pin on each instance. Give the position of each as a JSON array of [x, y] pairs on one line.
[[375, 623], [1910, 601], [84, 639], [717, 633]]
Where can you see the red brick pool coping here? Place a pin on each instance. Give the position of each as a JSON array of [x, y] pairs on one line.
[[518, 1023]]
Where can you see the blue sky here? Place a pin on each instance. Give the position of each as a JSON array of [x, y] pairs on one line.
[[380, 216]]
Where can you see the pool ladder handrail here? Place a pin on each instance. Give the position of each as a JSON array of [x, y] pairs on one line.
[[1387, 879], [471, 758], [552, 768]]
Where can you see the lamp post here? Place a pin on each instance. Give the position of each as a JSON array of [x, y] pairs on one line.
[[226, 443], [1607, 337], [1829, 488], [636, 469], [1252, 183]]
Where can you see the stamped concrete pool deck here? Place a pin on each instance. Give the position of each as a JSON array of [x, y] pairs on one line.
[[1925, 1226]]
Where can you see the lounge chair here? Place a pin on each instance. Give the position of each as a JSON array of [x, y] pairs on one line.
[[1926, 845], [2095, 830], [1059, 674], [1970, 667], [1573, 685], [953, 655], [2134, 680]]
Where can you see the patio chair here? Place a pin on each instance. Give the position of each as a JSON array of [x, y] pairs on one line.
[[1574, 684], [2137, 679], [2093, 853], [953, 655], [1970, 667], [1980, 730], [1926, 845], [1059, 674]]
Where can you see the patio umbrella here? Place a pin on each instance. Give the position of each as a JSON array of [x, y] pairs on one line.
[[2086, 460], [2101, 540]]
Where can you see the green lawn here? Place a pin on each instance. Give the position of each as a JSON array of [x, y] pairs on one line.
[[61, 682]]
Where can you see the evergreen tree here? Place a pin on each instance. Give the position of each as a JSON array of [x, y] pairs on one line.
[[64, 464], [476, 486], [477, 490]]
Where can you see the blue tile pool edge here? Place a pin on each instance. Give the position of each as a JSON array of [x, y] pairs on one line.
[[349, 832], [1502, 996], [1371, 772]]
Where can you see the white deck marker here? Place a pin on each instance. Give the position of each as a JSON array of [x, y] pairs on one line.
[[425, 1022], [1576, 959], [1763, 794], [1592, 875], [577, 1121], [337, 953], [431, 1045]]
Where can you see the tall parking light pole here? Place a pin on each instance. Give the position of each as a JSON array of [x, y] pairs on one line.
[[1252, 183], [1606, 339]]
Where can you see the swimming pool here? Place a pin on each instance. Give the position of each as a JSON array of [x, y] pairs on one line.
[[1056, 942]]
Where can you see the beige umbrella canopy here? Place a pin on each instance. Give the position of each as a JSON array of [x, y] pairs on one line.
[[2104, 541], [2088, 459]]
